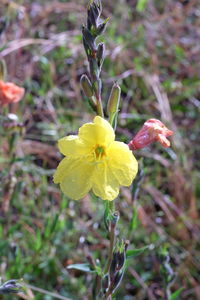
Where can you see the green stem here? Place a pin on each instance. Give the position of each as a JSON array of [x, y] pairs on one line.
[[99, 106], [111, 205], [112, 242]]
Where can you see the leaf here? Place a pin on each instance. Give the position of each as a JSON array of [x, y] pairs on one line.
[[136, 252], [175, 294], [81, 267], [141, 5]]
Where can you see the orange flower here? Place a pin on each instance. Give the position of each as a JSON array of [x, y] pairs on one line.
[[10, 93], [152, 130]]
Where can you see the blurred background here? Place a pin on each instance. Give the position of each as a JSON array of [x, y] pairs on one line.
[[153, 51]]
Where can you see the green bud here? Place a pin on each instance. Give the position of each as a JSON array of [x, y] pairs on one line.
[[113, 104], [3, 69], [86, 86], [93, 16], [114, 99], [100, 54], [118, 259], [88, 38], [88, 91]]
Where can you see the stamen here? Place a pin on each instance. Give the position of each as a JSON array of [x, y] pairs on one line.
[[99, 151]]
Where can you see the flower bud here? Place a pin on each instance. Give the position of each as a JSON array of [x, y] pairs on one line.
[[152, 130], [93, 15], [94, 12], [100, 54], [114, 99], [88, 91], [86, 86], [118, 259], [88, 38], [10, 93]]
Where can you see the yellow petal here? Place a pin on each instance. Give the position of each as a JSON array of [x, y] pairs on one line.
[[61, 170], [72, 146], [100, 132], [122, 162], [104, 183], [74, 177]]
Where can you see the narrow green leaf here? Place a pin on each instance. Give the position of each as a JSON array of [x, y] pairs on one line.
[[81, 267], [136, 252], [175, 294]]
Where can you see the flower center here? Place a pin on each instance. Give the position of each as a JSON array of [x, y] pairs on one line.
[[99, 151]]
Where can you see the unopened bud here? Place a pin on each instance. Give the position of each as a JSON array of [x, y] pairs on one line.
[[113, 102], [100, 54], [118, 259], [88, 38], [88, 91], [93, 15], [86, 86], [153, 130], [3, 69]]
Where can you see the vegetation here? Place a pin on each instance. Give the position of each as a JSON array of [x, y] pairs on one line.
[[152, 51]]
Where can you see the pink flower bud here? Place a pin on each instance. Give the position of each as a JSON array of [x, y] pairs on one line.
[[153, 130], [10, 93]]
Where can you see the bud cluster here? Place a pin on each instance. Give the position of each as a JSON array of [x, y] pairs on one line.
[[95, 54]]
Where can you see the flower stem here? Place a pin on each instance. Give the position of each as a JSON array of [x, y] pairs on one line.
[[99, 104], [112, 242]]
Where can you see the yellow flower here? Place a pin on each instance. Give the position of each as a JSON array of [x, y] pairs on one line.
[[94, 160]]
